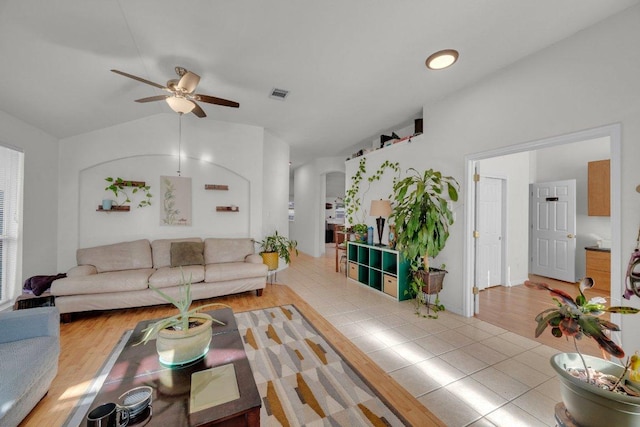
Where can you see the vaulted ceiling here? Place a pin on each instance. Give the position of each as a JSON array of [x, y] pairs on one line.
[[354, 68]]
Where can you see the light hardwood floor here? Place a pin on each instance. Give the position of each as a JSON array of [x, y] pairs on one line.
[[88, 339], [515, 308]]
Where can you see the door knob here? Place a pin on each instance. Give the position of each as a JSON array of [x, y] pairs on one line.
[[570, 236]]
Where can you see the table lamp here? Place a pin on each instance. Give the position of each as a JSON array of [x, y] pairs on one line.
[[381, 209]]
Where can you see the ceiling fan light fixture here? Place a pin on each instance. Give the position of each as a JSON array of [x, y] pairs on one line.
[[442, 59], [180, 105]]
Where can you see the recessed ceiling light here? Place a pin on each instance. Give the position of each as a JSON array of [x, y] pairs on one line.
[[442, 59]]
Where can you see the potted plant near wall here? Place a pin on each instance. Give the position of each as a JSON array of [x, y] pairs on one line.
[[118, 187], [595, 392], [422, 218], [360, 231], [186, 336], [276, 246]]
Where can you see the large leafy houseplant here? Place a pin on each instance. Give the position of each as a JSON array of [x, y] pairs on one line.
[[422, 215], [422, 219], [597, 393]]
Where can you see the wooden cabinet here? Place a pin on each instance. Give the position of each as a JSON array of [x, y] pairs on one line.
[[599, 268], [599, 188], [380, 268]]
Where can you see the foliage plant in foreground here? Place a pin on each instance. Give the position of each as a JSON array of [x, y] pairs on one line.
[[579, 317]]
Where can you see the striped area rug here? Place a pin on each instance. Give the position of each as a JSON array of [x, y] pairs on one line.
[[301, 379]]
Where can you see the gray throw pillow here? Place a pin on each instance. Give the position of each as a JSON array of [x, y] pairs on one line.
[[187, 253]]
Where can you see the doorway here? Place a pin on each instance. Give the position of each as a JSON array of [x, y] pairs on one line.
[[515, 256], [552, 210], [490, 248]]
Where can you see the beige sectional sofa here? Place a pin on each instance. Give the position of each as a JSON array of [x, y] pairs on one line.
[[118, 275]]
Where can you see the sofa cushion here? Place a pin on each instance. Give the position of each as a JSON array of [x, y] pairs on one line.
[[233, 271], [120, 256], [161, 249], [82, 270], [227, 250], [112, 281], [187, 253], [254, 259], [166, 277]]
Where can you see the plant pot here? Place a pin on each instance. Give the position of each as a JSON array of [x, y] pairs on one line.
[[360, 237], [590, 405], [432, 280], [106, 204], [182, 347], [271, 260]]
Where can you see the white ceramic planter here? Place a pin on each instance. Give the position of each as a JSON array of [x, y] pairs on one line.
[[181, 347], [589, 405]]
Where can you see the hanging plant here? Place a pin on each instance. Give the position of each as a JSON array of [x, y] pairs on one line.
[[352, 202], [118, 187]]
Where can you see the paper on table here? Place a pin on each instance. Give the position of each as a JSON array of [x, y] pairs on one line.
[[213, 387]]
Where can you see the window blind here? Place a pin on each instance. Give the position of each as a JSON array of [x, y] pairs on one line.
[[11, 162]]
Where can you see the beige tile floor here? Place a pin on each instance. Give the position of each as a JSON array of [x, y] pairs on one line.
[[466, 371]]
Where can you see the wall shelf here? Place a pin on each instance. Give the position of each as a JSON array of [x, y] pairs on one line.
[[227, 209], [380, 268], [216, 187], [128, 183], [114, 209]]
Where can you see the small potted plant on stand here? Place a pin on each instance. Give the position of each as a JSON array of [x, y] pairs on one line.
[[360, 232], [184, 337], [277, 246], [595, 392], [422, 219]]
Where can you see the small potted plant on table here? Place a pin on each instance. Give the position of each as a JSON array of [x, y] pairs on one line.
[[186, 336], [360, 232]]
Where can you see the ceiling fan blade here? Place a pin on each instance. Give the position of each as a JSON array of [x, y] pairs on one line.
[[198, 111], [140, 79], [217, 101], [153, 98], [189, 81]]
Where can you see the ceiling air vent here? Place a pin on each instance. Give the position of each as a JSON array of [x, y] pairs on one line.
[[280, 94]]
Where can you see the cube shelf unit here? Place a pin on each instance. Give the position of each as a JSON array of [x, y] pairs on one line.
[[380, 268]]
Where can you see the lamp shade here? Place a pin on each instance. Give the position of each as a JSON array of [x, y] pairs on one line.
[[180, 105], [380, 208]]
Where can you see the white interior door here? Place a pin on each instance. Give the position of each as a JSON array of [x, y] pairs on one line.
[[489, 207], [553, 229]]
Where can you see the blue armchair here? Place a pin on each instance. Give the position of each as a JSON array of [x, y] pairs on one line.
[[29, 352]]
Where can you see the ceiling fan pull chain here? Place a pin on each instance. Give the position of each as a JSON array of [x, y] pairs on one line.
[[179, 143]]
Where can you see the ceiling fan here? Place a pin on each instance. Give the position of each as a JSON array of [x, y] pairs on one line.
[[181, 99]]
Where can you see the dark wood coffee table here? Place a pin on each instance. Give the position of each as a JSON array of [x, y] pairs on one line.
[[139, 365]]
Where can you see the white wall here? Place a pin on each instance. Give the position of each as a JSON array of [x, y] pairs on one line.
[[276, 186], [408, 155], [40, 214], [147, 148], [586, 81]]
